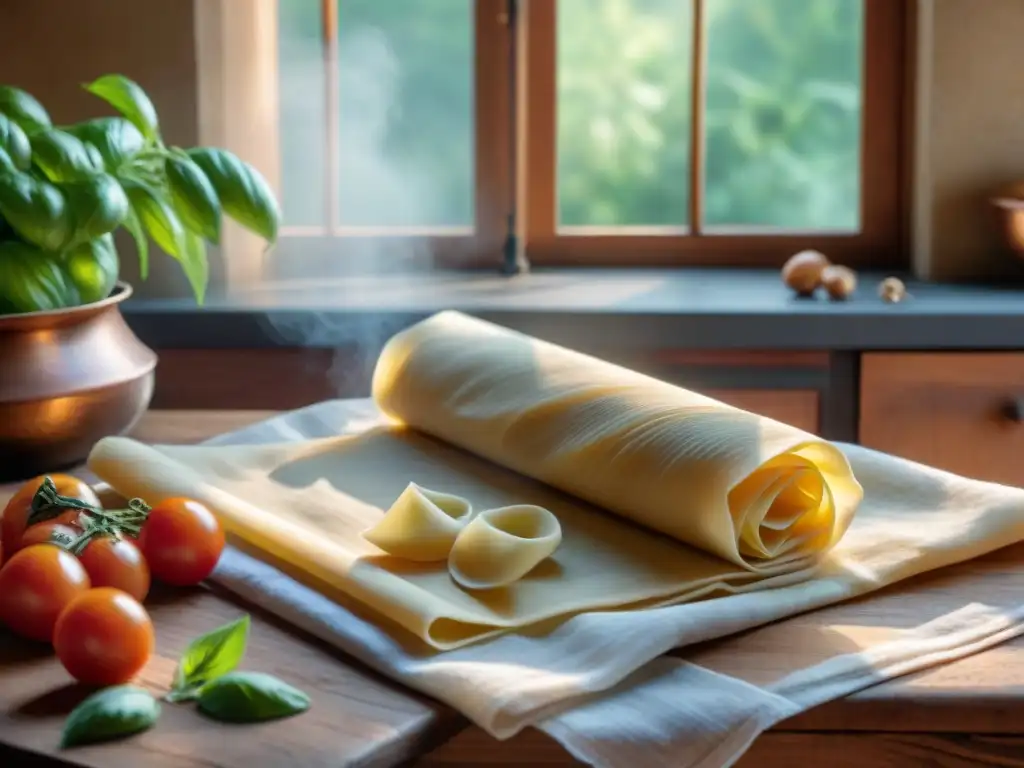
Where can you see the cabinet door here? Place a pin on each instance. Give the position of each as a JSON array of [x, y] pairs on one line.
[[785, 386], [777, 385], [962, 412], [796, 407]]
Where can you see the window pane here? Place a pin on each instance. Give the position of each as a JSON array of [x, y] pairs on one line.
[[783, 113], [406, 123], [303, 127], [623, 112]]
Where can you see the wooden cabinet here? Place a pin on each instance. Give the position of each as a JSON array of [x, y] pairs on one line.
[[785, 386], [962, 412], [798, 407]]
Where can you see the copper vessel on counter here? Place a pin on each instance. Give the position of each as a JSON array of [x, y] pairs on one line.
[[68, 378]]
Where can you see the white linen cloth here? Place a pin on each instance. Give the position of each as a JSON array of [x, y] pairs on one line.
[[596, 683]]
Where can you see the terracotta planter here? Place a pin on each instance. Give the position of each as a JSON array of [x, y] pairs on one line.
[[67, 379]]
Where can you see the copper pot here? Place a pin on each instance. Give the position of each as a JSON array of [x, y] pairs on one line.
[[67, 379]]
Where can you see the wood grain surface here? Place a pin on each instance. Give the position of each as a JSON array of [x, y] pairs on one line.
[[357, 718], [963, 412], [775, 749], [960, 714]]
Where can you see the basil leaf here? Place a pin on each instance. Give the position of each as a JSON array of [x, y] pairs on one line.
[[63, 157], [112, 713], [23, 109], [194, 197], [6, 164], [97, 206], [15, 143], [92, 268], [36, 210], [32, 280], [134, 226], [128, 98], [116, 139], [210, 656], [249, 697], [156, 215], [195, 265], [244, 194]]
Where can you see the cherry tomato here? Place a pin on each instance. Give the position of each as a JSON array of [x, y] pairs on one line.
[[182, 541], [49, 533], [15, 514], [104, 637], [36, 585], [116, 563]]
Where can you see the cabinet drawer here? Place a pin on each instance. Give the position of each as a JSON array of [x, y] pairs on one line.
[[958, 412], [797, 407]]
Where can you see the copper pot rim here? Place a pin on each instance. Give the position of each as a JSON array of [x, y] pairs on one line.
[[53, 318]]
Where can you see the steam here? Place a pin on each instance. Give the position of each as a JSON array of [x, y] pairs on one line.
[[378, 191]]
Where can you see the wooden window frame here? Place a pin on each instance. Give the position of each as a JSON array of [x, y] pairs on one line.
[[880, 241], [237, 60], [237, 63]]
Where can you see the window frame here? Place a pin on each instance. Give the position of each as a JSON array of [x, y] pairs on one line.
[[880, 241], [515, 166], [237, 59]]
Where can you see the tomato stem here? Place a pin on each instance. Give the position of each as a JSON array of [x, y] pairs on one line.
[[96, 521]]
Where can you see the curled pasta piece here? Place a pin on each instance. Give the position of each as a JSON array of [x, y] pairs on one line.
[[500, 546], [421, 525]]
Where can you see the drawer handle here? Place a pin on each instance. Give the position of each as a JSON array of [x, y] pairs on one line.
[[1013, 410]]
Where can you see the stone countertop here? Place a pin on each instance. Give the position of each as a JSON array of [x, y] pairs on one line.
[[683, 308]]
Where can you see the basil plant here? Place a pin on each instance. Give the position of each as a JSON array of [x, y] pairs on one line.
[[64, 191]]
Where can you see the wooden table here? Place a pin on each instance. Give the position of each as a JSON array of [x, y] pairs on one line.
[[964, 713]]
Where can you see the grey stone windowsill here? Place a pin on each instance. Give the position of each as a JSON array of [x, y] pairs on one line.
[[683, 308]]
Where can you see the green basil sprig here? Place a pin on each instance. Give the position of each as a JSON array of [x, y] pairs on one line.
[[115, 138], [208, 674], [128, 98], [98, 205], [250, 697], [92, 268], [244, 194], [24, 109], [157, 216], [15, 143], [36, 209], [208, 657], [113, 713], [55, 217], [32, 280], [6, 166], [62, 156], [194, 197], [64, 189]]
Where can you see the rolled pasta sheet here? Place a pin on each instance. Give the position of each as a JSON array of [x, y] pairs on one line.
[[749, 489]]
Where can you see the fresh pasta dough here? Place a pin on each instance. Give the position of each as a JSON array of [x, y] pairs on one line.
[[746, 488], [661, 495], [500, 546], [421, 525]]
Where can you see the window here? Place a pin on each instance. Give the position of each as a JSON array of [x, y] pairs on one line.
[[626, 132], [392, 117]]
